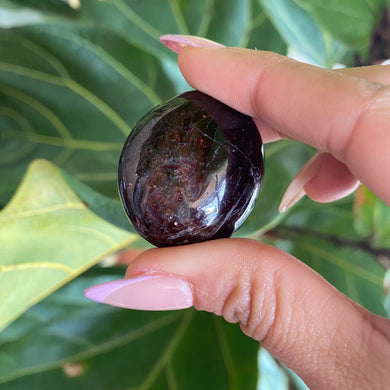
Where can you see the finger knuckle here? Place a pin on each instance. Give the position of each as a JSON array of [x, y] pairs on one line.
[[257, 302], [279, 330], [376, 105]]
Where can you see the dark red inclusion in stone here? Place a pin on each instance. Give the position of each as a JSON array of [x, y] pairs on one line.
[[190, 171]]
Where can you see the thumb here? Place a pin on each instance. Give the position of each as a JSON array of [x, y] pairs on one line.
[[300, 318]]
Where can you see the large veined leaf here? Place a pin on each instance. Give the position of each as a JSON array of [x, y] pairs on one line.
[[83, 128], [231, 22], [106, 208], [57, 105], [70, 92], [47, 237], [143, 22], [303, 34], [89, 345], [350, 21], [354, 270]]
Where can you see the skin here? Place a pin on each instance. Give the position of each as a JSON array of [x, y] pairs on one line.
[[327, 339]]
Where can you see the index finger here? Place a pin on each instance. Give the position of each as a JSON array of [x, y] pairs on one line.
[[344, 115]]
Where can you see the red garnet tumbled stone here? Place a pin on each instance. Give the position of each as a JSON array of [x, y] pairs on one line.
[[190, 171]]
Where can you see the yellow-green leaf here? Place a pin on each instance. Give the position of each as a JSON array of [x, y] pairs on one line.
[[47, 237]]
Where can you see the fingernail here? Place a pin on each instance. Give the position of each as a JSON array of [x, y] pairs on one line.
[[145, 292], [177, 42], [295, 191]]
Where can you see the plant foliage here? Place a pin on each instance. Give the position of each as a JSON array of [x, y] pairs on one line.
[[75, 76]]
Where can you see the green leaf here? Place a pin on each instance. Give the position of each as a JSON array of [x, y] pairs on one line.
[[352, 270], [143, 22], [111, 210], [72, 85], [334, 218], [89, 345], [260, 33], [70, 92], [349, 21], [48, 237], [59, 106], [303, 34]]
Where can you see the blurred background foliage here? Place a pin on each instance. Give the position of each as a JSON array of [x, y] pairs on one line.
[[75, 76]]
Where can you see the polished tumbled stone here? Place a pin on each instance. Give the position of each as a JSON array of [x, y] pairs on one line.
[[190, 171]]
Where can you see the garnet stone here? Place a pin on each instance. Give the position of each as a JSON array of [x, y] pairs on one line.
[[190, 171]]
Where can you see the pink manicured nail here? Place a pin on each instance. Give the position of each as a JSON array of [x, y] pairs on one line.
[[178, 42], [145, 292], [295, 191]]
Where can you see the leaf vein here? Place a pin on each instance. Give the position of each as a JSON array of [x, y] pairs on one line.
[[226, 354], [206, 18], [137, 20], [40, 108], [99, 349], [89, 230], [72, 85], [168, 352], [343, 264], [179, 18], [66, 143], [46, 55], [45, 210], [115, 64], [170, 376], [38, 264]]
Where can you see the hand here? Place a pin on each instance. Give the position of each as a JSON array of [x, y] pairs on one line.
[[327, 339]]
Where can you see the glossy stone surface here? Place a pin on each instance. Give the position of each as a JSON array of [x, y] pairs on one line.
[[190, 171]]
